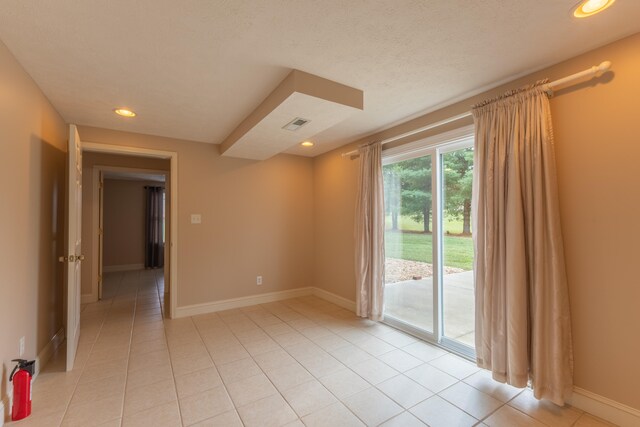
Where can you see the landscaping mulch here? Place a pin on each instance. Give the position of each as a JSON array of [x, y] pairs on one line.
[[397, 270]]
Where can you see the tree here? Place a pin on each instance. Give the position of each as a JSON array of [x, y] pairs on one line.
[[408, 191], [391, 193], [458, 182]]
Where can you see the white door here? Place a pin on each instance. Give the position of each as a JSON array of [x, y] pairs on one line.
[[100, 230], [74, 244]]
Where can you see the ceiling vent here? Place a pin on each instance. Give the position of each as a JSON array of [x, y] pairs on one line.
[[295, 124], [262, 135]]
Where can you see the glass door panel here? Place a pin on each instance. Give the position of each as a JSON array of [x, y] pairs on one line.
[[408, 243], [458, 301]]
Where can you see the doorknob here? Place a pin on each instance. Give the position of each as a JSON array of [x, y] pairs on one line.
[[80, 258]]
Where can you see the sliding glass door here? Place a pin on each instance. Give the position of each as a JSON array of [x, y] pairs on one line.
[[408, 243], [458, 303], [428, 246]]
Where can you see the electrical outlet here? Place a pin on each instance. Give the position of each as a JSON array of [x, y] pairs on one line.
[[259, 280], [196, 219], [21, 346]]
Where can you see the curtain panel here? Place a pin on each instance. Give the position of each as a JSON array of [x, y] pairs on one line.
[[523, 324], [369, 234], [154, 228]]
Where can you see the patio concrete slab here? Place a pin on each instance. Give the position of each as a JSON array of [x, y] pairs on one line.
[[412, 301]]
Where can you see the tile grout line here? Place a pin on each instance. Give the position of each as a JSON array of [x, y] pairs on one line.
[[104, 316], [297, 361], [170, 365], [251, 356], [164, 332], [318, 378], [308, 312], [375, 386], [315, 378], [133, 323], [215, 365]]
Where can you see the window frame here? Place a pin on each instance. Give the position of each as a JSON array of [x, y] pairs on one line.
[[435, 146]]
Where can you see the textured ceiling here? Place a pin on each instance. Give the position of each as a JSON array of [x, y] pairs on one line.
[[195, 69]]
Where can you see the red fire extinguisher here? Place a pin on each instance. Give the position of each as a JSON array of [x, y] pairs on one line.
[[21, 388]]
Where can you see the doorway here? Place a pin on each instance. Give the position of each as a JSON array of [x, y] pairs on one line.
[[428, 240], [132, 157], [131, 223]]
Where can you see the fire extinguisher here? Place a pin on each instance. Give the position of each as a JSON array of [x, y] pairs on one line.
[[21, 388]]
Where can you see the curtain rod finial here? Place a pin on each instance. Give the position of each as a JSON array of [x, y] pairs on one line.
[[603, 68]]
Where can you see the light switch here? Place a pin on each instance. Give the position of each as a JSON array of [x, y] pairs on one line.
[[196, 219]]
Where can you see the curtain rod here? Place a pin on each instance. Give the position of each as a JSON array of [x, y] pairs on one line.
[[596, 70]]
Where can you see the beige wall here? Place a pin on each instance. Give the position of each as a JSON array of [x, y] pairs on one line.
[[124, 221], [598, 148], [89, 227], [33, 139], [257, 219]]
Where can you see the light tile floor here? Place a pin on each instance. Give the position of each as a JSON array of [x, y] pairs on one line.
[[297, 362]]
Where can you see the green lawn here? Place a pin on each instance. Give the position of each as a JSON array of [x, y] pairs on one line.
[[451, 225], [458, 251]]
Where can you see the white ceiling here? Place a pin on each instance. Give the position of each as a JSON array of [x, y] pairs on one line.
[[195, 69]]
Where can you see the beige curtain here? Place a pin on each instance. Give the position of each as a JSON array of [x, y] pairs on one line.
[[523, 326], [369, 233]]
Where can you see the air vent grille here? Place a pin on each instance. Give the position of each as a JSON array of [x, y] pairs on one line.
[[295, 124]]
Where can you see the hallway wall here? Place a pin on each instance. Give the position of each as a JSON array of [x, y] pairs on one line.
[[33, 138], [124, 222]]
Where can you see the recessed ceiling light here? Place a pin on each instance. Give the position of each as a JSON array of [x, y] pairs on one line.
[[124, 112], [590, 7], [307, 144]]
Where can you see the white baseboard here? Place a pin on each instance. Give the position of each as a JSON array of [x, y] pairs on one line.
[[5, 404], [605, 408], [336, 299], [45, 354], [88, 298], [124, 267], [228, 304]]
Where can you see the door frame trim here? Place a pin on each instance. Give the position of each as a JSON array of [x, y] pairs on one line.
[[97, 147]]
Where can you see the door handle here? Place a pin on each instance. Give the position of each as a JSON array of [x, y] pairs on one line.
[[80, 258]]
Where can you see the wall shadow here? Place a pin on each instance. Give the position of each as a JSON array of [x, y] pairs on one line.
[[593, 82], [48, 196]]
